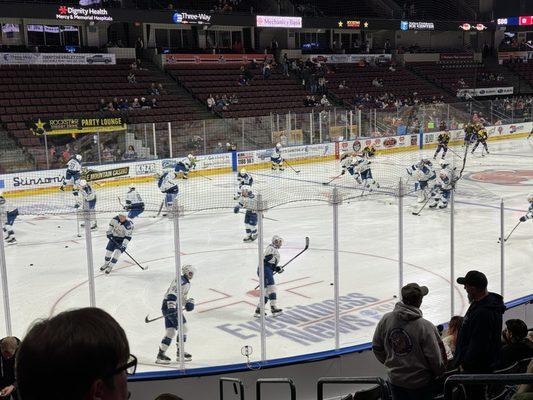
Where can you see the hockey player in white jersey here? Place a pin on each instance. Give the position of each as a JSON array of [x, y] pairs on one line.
[[73, 174], [442, 189], [243, 179], [184, 166], [361, 171], [346, 161], [87, 201], [170, 312], [134, 203], [276, 158], [250, 217], [119, 235], [8, 219], [423, 173], [529, 214], [167, 184], [270, 265]]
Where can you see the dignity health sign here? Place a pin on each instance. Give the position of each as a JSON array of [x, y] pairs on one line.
[[268, 21]]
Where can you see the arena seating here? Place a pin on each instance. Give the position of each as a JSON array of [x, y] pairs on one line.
[[524, 70], [361, 8], [450, 10], [400, 82], [31, 92], [278, 94], [474, 75]]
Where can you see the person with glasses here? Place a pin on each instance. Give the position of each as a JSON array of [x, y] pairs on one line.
[[170, 312], [81, 354]]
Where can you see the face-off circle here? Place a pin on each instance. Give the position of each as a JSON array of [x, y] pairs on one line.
[[509, 177]]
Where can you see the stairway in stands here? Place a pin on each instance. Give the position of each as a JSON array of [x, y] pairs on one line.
[[12, 157]]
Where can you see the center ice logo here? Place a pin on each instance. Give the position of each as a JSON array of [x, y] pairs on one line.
[[504, 177], [314, 323]]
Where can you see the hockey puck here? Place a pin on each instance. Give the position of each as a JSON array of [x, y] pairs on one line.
[[331, 284], [394, 296], [59, 226], [66, 247], [31, 265]]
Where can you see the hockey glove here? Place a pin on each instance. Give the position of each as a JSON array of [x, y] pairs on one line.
[[122, 248], [77, 205], [343, 172], [236, 209], [277, 269], [189, 305], [523, 219], [109, 237]]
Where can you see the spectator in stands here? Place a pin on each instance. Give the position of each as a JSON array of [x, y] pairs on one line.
[[110, 106], [387, 47], [144, 103], [8, 350], [102, 106], [285, 62], [139, 46], [153, 90], [450, 339], [211, 102], [516, 345], [78, 354], [479, 339], [410, 347], [219, 149], [266, 71], [65, 154], [343, 85], [130, 154], [376, 82], [274, 48], [161, 89], [241, 81], [322, 85], [126, 105], [253, 64], [324, 101], [525, 392], [153, 103], [135, 104], [131, 78], [307, 101], [115, 103], [233, 99]]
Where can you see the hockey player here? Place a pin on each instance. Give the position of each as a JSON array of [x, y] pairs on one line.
[[185, 165], [481, 137], [170, 312], [87, 201], [530, 134], [529, 214], [134, 203], [119, 235], [8, 218], [73, 174], [470, 132], [250, 217], [243, 179], [270, 265], [423, 173], [167, 184], [276, 158], [443, 140], [443, 187], [369, 151], [361, 171], [346, 161]]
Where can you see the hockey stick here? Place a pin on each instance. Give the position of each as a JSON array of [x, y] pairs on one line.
[[148, 320], [160, 209], [417, 213], [509, 235], [132, 259], [120, 201], [203, 176], [292, 259], [271, 219], [331, 180], [291, 167]]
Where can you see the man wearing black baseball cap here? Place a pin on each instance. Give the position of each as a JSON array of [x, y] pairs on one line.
[[479, 339]]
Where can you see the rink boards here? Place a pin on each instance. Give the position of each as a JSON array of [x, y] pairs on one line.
[[38, 182]]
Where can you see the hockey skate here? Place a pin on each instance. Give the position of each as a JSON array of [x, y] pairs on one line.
[[94, 226], [11, 240], [249, 238], [443, 205], [186, 356], [434, 204], [162, 358], [104, 267], [275, 311], [257, 313], [108, 269], [62, 188]]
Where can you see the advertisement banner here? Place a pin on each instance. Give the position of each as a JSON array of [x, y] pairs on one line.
[[95, 175], [273, 21], [347, 58], [191, 18], [213, 58], [83, 14], [494, 91], [507, 55], [69, 126], [456, 56], [57, 59]]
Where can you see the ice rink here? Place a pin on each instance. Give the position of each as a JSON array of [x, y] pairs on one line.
[[47, 269]]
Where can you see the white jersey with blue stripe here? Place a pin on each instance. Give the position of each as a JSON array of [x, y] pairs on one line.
[[88, 193], [245, 179], [134, 199], [276, 154], [120, 229], [445, 179], [361, 164], [73, 165], [247, 201], [186, 162], [171, 296], [271, 256], [529, 214], [166, 182], [346, 162]]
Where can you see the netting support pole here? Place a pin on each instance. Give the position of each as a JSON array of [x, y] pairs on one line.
[[359, 119], [346, 130], [400, 237], [271, 128], [491, 114], [452, 252], [351, 124], [448, 116], [155, 141], [174, 213], [260, 252], [98, 147], [205, 138], [502, 248], [170, 139], [320, 126], [335, 201], [89, 249], [5, 288], [242, 134], [311, 126], [46, 150], [288, 126]]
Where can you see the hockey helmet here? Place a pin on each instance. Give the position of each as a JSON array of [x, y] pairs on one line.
[[529, 197], [444, 163], [190, 156], [188, 270], [131, 187], [245, 189], [78, 157], [83, 183], [123, 214], [2, 200], [278, 145], [243, 171], [277, 241]]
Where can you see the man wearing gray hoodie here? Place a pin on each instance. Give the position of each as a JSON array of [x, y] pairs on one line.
[[410, 347]]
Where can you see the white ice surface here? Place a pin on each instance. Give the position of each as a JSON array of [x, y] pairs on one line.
[[47, 269]]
